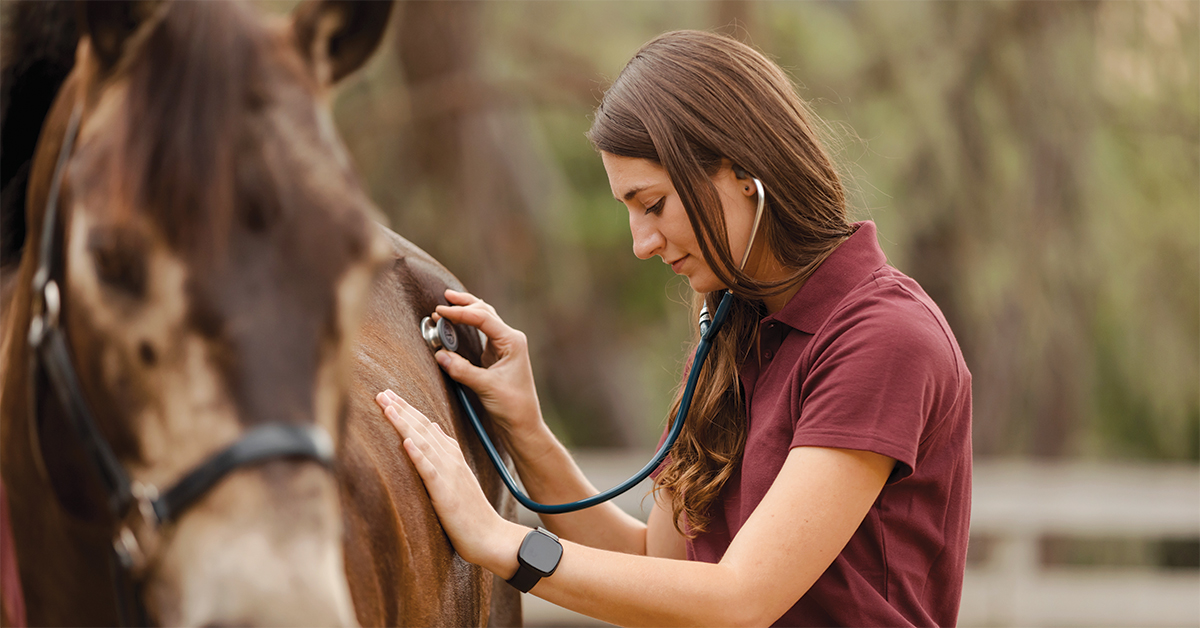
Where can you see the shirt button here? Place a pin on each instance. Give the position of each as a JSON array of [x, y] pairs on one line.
[[767, 355]]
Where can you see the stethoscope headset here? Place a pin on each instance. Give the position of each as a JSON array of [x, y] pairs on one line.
[[441, 335]]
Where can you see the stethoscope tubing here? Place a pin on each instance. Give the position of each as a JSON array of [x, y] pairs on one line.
[[707, 333], [685, 403]]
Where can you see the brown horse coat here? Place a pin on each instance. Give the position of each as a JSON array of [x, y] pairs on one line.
[[398, 564], [401, 566]]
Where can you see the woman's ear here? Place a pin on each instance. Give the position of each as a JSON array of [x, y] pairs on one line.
[[337, 37]]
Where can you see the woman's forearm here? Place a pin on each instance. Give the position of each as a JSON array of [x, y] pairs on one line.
[[551, 476], [636, 590]]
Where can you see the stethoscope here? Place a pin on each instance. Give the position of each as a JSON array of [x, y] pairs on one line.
[[441, 335]]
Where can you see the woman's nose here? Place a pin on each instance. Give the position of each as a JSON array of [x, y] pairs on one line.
[[647, 240]]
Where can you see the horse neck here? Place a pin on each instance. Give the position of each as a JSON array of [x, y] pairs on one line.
[[59, 558]]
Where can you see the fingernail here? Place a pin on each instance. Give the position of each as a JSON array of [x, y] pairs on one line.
[[442, 357], [392, 395]]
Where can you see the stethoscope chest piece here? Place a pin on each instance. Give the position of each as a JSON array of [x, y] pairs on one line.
[[439, 335]]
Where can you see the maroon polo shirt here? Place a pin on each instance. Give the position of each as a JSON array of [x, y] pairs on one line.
[[861, 358]]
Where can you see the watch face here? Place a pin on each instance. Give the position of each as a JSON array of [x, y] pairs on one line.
[[541, 553]]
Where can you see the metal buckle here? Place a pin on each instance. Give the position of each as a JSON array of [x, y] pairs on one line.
[[129, 552], [45, 312], [146, 495]]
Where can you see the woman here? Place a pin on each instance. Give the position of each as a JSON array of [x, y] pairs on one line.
[[823, 473]]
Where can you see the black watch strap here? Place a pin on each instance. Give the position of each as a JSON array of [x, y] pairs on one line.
[[524, 579]]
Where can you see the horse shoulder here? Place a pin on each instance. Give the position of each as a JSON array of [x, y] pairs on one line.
[[401, 566]]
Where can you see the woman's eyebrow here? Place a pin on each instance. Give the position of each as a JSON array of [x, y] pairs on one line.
[[632, 193]]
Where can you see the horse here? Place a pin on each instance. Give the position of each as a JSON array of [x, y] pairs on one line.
[[193, 330]]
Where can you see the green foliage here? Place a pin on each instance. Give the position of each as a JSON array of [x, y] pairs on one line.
[[1035, 165]]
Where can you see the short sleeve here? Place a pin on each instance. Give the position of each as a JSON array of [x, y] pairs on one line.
[[877, 370]]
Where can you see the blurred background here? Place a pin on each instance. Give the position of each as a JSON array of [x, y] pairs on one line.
[[1034, 165]]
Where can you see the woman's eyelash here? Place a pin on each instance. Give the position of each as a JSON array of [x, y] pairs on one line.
[[657, 207]]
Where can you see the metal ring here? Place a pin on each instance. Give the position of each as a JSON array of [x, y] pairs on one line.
[[146, 495], [53, 303], [128, 550], [429, 333], [46, 306]]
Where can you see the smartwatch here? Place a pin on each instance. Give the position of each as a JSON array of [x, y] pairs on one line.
[[537, 559]]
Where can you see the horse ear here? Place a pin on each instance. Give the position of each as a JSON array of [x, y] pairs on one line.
[[110, 25], [338, 36]]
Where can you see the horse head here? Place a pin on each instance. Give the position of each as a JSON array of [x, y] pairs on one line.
[[213, 252]]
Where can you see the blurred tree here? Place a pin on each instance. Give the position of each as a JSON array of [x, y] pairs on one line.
[[467, 152], [1036, 166], [1011, 149]]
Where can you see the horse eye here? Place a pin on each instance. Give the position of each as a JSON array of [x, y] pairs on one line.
[[119, 256]]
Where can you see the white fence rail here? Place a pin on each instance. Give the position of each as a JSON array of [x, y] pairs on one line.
[[1014, 506]]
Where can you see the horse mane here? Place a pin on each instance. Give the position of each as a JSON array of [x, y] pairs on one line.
[[37, 52], [190, 83], [195, 78]]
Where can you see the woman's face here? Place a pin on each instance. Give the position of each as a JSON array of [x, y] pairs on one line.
[[660, 225]]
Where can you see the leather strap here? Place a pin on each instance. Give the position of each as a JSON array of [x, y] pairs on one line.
[[273, 440], [56, 360]]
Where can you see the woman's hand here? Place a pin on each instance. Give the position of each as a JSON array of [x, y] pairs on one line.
[[479, 534], [505, 386]]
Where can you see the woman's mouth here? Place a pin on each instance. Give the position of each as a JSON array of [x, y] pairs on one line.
[[678, 264]]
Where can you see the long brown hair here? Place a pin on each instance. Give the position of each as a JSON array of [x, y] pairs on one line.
[[686, 101]]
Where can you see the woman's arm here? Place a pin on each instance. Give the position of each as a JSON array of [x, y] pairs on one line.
[[547, 470], [663, 539], [807, 516], [554, 478]]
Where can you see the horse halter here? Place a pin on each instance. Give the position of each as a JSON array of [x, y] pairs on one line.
[[50, 352]]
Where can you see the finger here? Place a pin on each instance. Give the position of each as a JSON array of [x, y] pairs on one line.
[[410, 421], [425, 467], [449, 440], [461, 370], [422, 435], [389, 397], [415, 416], [434, 432], [407, 420], [460, 297], [405, 427], [404, 407], [465, 298], [473, 303], [485, 320]]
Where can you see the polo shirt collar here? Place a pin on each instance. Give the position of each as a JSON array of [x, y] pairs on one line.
[[851, 263]]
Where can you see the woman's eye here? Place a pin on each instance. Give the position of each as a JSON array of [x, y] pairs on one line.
[[657, 207]]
